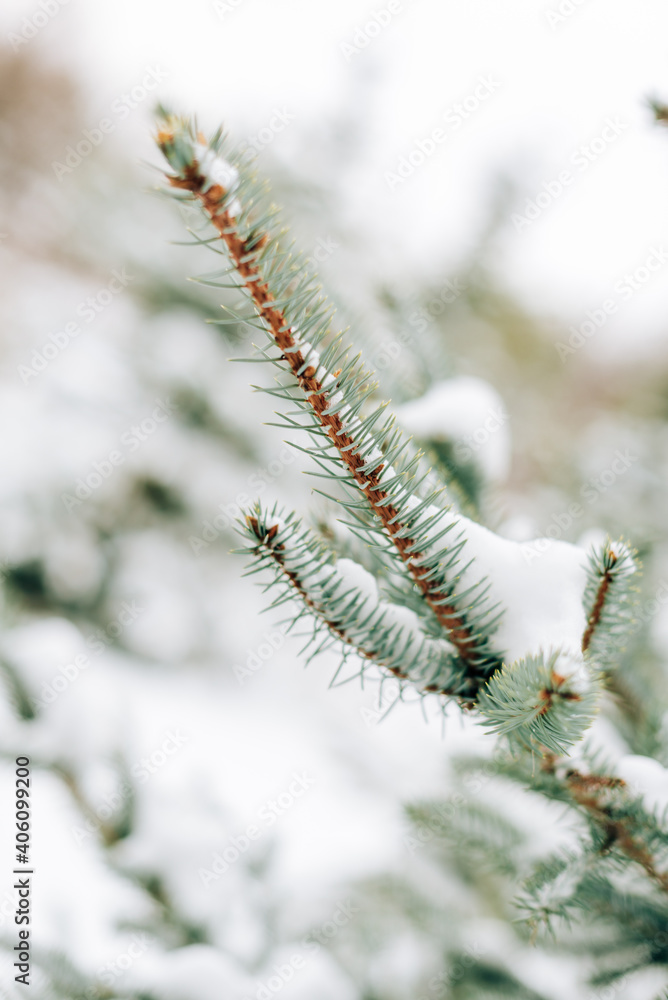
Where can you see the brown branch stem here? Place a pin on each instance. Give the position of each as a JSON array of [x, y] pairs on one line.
[[588, 791], [243, 257], [597, 610], [275, 551]]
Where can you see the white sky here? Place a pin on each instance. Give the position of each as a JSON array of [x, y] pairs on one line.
[[558, 85]]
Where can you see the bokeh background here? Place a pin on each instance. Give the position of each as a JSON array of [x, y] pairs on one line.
[[163, 713]]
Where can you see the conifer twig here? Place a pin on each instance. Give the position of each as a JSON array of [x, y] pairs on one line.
[[609, 600], [589, 791], [245, 254], [352, 610], [599, 603]]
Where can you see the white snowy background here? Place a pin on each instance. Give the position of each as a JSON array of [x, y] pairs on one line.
[[186, 673]]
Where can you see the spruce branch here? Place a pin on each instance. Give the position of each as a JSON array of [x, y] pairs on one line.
[[540, 703], [334, 389], [620, 818], [344, 601], [609, 601], [574, 883], [621, 824], [622, 828], [545, 705]]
